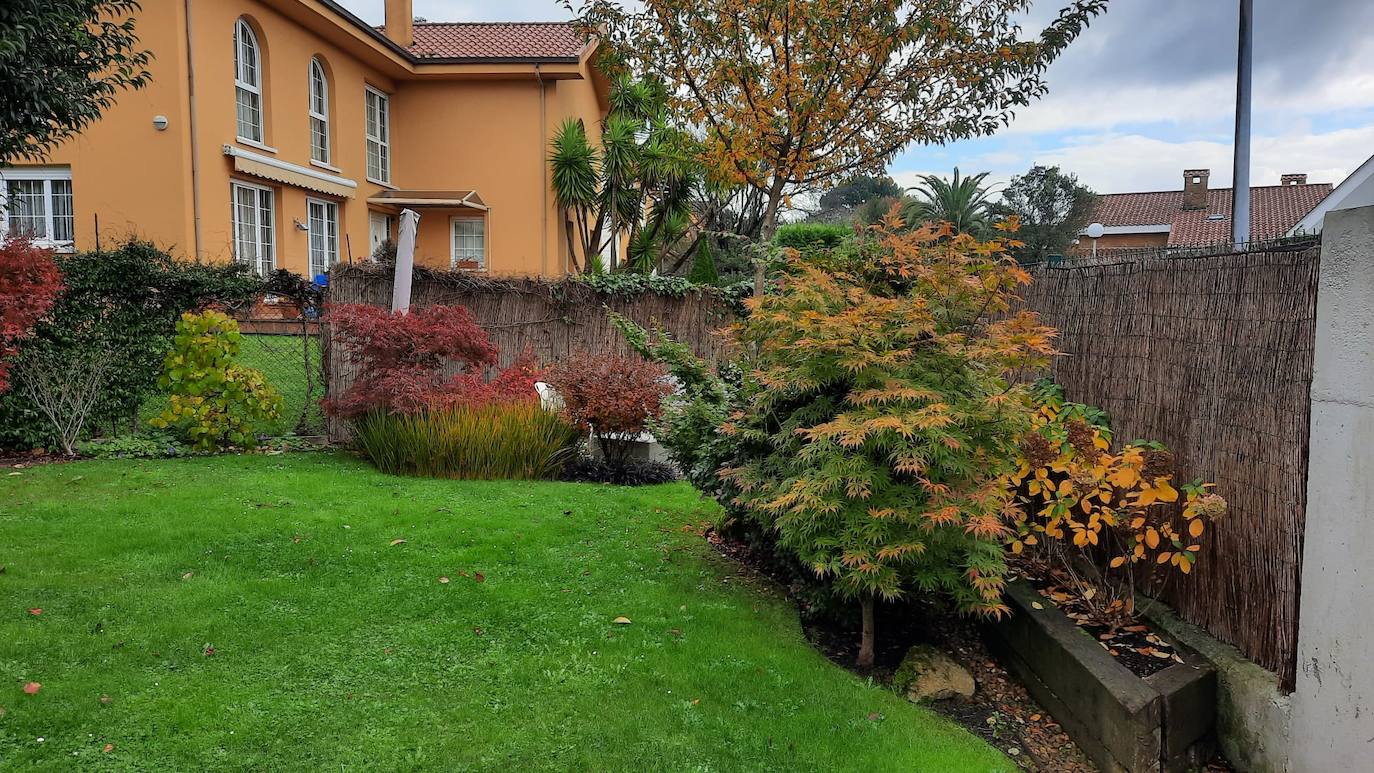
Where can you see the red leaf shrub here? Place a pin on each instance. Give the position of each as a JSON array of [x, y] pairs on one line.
[[401, 359], [611, 395], [29, 285]]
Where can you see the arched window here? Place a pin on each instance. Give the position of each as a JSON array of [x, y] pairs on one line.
[[248, 82], [319, 113]]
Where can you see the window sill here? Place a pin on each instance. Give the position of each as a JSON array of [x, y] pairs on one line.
[[254, 144], [386, 185], [323, 165]]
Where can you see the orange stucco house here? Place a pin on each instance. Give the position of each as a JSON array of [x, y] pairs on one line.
[[289, 134]]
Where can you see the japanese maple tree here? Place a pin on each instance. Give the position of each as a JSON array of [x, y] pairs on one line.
[[29, 285], [402, 358], [880, 395]]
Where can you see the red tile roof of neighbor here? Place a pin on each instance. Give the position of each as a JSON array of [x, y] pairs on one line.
[[1273, 210], [497, 40]]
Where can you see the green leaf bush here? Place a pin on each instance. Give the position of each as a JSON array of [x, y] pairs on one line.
[[215, 404]]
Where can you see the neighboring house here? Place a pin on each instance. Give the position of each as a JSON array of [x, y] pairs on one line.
[[1355, 191], [289, 134], [1198, 216]]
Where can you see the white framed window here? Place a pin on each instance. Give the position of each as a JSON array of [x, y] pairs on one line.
[[323, 227], [469, 245], [378, 131], [248, 82], [379, 229], [36, 203], [254, 223], [319, 113]]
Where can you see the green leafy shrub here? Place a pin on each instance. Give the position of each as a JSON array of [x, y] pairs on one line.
[[633, 472], [520, 441], [126, 302], [144, 445], [805, 236], [216, 404]]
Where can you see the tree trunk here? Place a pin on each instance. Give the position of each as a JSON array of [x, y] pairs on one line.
[[866, 643], [770, 227]]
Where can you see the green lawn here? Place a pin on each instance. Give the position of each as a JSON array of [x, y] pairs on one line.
[[334, 649]]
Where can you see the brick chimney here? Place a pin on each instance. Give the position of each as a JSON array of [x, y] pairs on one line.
[[1195, 188], [400, 22], [1295, 178]]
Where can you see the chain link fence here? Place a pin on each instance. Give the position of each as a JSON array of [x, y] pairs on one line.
[[290, 361]]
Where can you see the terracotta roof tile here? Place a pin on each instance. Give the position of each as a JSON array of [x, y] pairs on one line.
[[1273, 210], [497, 40]]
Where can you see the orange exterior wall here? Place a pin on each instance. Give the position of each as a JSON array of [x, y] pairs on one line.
[[462, 127]]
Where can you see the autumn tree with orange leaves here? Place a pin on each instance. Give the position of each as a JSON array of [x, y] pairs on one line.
[[795, 95], [880, 396]]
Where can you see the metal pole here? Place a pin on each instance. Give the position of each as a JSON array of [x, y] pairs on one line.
[[1240, 185]]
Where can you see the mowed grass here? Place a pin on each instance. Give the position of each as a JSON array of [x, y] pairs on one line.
[[335, 649]]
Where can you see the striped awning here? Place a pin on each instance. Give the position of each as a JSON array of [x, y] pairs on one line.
[[268, 168]]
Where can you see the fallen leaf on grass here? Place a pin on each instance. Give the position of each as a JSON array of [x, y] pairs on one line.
[[443, 581], [106, 700], [32, 688], [396, 542], [478, 576], [36, 611], [477, 631], [188, 575], [874, 716], [622, 620], [209, 650], [109, 747]]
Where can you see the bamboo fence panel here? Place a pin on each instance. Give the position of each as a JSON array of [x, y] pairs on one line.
[[1211, 356], [551, 319]]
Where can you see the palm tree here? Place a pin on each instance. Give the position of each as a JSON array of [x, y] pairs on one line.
[[637, 187], [962, 202]]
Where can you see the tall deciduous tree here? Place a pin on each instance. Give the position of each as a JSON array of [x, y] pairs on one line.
[[1053, 208], [61, 64], [793, 94]]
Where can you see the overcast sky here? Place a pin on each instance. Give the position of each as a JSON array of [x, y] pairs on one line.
[[1147, 92]]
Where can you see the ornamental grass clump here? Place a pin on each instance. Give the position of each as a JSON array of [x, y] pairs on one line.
[[500, 441], [880, 418]]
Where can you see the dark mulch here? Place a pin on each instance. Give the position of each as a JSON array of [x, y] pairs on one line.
[[18, 460]]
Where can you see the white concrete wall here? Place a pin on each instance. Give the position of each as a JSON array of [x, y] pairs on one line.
[[1333, 706]]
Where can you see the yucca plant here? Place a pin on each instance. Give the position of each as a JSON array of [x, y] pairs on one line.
[[503, 441]]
